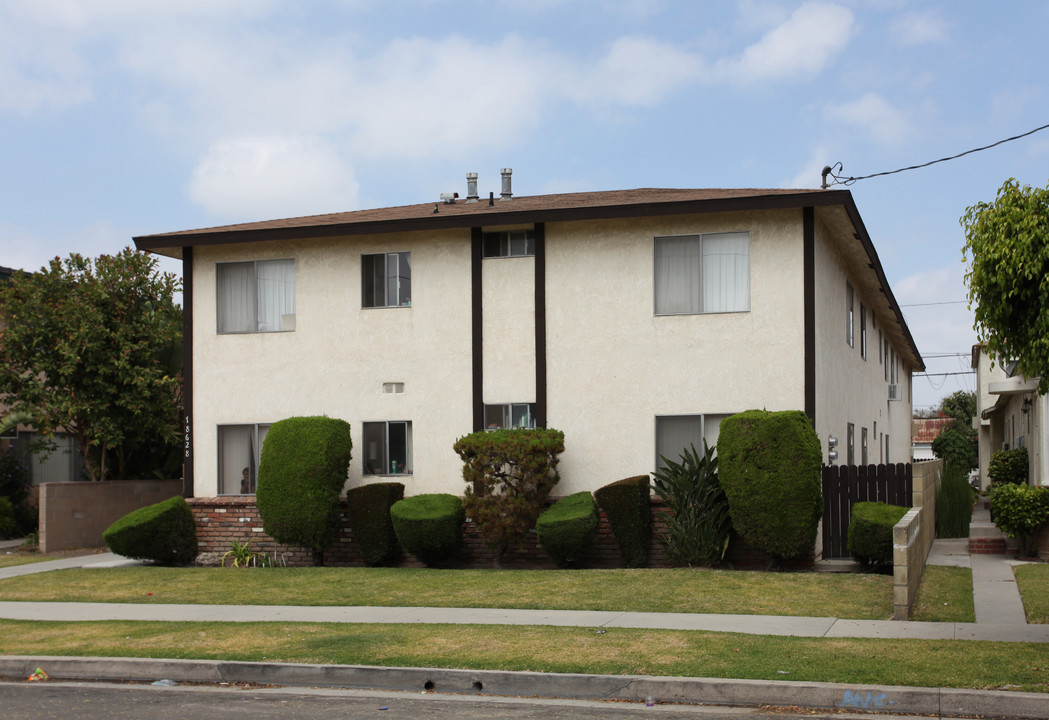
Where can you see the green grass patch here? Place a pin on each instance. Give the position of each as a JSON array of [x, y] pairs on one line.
[[923, 663], [21, 559], [685, 590], [1033, 581], [945, 595]]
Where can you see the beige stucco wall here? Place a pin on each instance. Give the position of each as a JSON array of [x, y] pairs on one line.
[[849, 388], [613, 365], [339, 355], [508, 329]]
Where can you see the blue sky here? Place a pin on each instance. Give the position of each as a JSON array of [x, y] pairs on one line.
[[129, 117]]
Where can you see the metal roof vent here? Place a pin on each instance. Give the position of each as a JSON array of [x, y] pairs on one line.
[[471, 188], [505, 193]]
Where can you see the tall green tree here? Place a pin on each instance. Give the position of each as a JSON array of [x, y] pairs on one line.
[[1008, 242], [958, 443], [90, 348]]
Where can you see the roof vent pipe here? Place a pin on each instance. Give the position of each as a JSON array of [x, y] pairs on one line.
[[471, 188], [505, 193]]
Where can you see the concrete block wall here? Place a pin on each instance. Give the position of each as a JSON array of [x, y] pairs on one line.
[[75, 514], [912, 537]]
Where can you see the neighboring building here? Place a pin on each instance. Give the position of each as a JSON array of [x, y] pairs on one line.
[[1011, 414], [634, 321], [923, 432]]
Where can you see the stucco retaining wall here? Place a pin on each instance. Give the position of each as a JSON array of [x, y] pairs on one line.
[[912, 537], [75, 514]]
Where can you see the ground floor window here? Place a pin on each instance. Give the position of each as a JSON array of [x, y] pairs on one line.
[[509, 415], [240, 447], [676, 433], [388, 447]]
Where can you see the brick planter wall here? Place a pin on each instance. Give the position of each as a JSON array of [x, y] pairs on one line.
[[221, 521]]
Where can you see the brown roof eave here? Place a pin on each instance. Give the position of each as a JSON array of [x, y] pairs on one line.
[[499, 215]]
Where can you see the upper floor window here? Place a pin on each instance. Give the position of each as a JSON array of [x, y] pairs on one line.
[[509, 415], [387, 448], [386, 280], [850, 314], [256, 296], [702, 273], [863, 331], [240, 447], [509, 243]]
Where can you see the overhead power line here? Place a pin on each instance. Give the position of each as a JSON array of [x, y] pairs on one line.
[[945, 302], [839, 180]]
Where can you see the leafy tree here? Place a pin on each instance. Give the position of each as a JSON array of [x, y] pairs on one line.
[[509, 475], [1008, 280], [958, 443], [91, 348]]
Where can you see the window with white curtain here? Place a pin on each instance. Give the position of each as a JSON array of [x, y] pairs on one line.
[[509, 415], [240, 448], [702, 273], [386, 280], [256, 296], [387, 447], [676, 433]]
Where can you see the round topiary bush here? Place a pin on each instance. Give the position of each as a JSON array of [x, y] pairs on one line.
[[770, 468], [1009, 466], [164, 533], [369, 509], [567, 530], [628, 508], [303, 468], [429, 527], [870, 532]]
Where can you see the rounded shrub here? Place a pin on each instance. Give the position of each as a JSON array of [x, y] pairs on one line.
[[164, 533], [303, 468], [770, 468], [429, 527], [1009, 466], [567, 530], [870, 532], [369, 510], [628, 508], [1020, 511]]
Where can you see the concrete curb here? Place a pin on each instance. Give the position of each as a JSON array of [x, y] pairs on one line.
[[706, 691]]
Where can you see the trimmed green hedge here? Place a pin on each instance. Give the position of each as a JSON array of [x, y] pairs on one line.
[[304, 465], [628, 508], [369, 510], [770, 466], [567, 530], [870, 532], [429, 527], [1020, 511], [1009, 466], [164, 533]]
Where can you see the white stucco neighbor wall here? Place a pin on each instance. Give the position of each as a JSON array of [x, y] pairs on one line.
[[613, 365], [849, 388], [339, 355]]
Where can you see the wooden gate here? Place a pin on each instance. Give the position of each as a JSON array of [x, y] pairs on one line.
[[846, 485]]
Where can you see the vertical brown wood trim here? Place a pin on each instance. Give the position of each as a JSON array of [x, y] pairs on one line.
[[540, 325], [187, 371], [476, 317], [809, 242]]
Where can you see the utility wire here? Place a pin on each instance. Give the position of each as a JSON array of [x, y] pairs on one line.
[[839, 180], [946, 302]]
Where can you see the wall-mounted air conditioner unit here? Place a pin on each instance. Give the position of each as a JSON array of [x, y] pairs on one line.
[[896, 392]]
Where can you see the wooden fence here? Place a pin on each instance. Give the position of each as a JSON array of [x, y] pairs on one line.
[[846, 485]]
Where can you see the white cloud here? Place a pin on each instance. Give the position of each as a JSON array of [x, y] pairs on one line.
[[873, 115], [250, 177], [802, 46], [637, 71], [810, 175], [921, 28]]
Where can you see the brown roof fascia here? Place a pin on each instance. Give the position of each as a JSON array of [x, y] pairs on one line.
[[479, 215], [868, 245]]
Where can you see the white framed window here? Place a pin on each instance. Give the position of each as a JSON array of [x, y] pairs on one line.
[[675, 433], [386, 280], [863, 331], [255, 296], [388, 447], [509, 415], [850, 314], [240, 448], [702, 273], [509, 243], [851, 444], [863, 447]]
